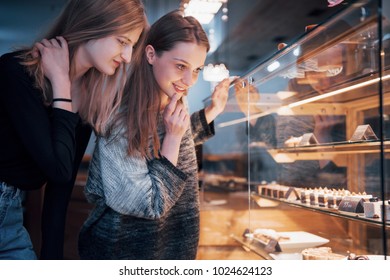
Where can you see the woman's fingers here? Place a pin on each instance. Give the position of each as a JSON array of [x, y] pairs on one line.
[[39, 46], [170, 108], [54, 58], [176, 117], [55, 43], [45, 43], [58, 42], [62, 41]]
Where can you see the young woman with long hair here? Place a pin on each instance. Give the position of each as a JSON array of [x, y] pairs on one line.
[[143, 177], [51, 97]]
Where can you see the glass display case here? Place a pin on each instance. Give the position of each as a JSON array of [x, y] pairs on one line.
[[304, 143]]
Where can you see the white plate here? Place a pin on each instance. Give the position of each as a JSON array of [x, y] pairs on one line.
[[378, 257], [286, 256], [299, 240], [298, 256]]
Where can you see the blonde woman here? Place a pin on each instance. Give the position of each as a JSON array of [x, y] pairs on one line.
[[51, 97]]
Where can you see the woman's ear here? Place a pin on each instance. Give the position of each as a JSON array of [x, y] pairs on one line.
[[150, 54]]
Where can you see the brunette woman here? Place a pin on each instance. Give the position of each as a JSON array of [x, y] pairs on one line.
[[143, 177]]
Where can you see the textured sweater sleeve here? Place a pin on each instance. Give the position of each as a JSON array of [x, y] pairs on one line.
[[133, 185], [49, 138], [201, 130]]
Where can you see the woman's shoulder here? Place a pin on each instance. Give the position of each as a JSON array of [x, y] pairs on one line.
[[11, 62], [115, 137], [11, 57]]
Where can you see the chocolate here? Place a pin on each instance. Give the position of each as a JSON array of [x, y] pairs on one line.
[[331, 202], [304, 197], [322, 200], [313, 199]]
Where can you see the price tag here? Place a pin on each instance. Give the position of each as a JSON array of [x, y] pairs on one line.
[[308, 139], [387, 211], [352, 204], [363, 132], [291, 194], [272, 246]]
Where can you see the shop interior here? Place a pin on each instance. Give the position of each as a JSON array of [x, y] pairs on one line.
[[234, 202]]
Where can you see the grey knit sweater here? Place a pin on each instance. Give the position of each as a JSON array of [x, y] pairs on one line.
[[145, 208]]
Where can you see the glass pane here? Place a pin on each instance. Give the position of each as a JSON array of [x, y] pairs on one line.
[[307, 134]]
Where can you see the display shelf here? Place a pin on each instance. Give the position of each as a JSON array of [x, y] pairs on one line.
[[329, 151], [328, 211], [367, 146], [337, 100], [328, 93]]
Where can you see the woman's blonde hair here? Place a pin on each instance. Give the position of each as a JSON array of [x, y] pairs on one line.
[[79, 22]]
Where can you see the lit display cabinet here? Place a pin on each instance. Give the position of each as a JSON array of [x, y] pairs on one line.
[[305, 139]]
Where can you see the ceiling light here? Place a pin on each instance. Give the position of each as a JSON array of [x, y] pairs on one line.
[[203, 10], [202, 17], [203, 6]]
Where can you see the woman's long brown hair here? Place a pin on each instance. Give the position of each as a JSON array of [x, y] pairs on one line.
[[141, 101]]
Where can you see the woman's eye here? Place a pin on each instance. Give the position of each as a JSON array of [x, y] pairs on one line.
[[123, 43], [180, 66], [197, 70]]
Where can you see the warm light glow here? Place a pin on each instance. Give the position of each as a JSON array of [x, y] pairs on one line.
[[203, 18], [302, 102], [203, 6], [203, 10], [336, 92]]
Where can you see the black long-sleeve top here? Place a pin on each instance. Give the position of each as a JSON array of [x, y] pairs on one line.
[[37, 142]]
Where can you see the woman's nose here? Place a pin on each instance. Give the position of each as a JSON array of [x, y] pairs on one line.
[[188, 79], [126, 54]]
